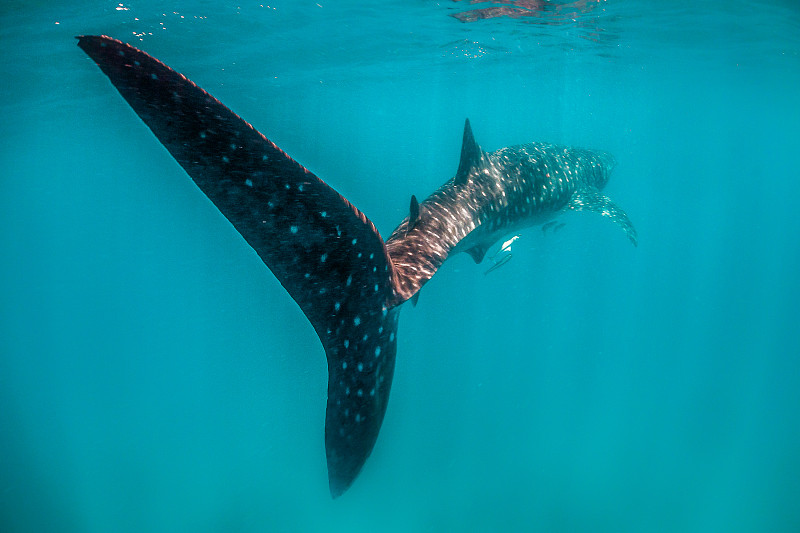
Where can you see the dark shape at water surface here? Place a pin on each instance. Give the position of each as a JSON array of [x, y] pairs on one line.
[[583, 14], [326, 253], [549, 11]]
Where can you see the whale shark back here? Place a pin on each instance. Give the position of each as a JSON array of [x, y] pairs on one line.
[[324, 251]]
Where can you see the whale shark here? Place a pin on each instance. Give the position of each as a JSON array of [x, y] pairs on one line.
[[327, 254]]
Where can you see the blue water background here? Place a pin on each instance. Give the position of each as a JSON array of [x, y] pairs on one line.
[[155, 376]]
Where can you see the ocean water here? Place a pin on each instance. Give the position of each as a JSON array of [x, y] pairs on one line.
[[155, 376]]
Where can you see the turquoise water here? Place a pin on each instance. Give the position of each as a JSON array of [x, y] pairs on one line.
[[156, 377]]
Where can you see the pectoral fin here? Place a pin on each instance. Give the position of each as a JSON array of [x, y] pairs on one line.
[[590, 199]]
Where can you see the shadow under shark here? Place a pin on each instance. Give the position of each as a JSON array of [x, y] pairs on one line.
[[326, 253]]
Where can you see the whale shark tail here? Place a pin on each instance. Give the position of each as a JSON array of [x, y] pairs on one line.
[[327, 255]]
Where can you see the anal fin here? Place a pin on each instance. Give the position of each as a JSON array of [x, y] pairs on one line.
[[477, 252], [548, 225]]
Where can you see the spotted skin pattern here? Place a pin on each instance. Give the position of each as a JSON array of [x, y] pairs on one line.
[[326, 253], [499, 194]]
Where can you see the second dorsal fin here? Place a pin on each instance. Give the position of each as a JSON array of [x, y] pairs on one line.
[[471, 155], [413, 214]]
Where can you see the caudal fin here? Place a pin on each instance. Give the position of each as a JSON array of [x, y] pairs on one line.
[[325, 252]]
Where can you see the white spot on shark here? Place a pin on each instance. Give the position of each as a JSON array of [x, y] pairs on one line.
[[248, 182], [293, 229]]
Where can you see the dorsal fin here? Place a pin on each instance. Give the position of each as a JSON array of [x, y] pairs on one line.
[[413, 214], [471, 155]]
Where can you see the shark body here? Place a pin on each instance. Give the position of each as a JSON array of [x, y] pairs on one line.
[[325, 252]]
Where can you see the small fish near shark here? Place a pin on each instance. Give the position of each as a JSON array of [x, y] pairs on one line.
[[329, 257]]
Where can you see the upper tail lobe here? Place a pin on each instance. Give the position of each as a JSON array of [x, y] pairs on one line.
[[325, 252]]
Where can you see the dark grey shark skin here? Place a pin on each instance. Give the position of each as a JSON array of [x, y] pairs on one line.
[[326, 253], [497, 194]]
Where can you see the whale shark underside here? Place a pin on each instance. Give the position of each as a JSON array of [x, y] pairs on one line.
[[325, 252]]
